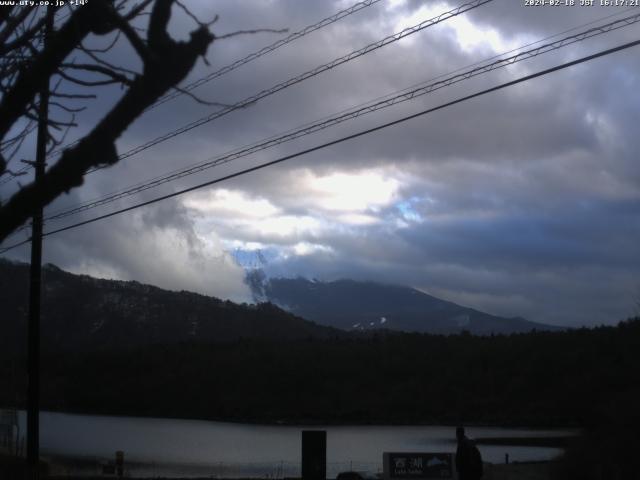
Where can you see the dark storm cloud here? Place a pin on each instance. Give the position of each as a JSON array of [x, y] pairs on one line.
[[600, 236], [522, 202]]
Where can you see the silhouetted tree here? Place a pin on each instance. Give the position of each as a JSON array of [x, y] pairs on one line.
[[26, 60]]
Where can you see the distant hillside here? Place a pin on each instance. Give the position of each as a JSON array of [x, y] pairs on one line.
[[352, 305], [79, 311]]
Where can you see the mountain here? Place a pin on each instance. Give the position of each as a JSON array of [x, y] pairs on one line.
[[353, 305], [79, 311]]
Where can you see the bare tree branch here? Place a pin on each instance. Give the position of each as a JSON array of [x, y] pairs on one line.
[[109, 46], [114, 76], [57, 142], [82, 22], [200, 100], [85, 83], [81, 96], [136, 42], [12, 24], [165, 63], [97, 59], [251, 32], [66, 108], [137, 10], [23, 39]]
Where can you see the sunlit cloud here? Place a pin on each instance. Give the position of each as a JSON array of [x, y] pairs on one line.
[[468, 35], [396, 4], [350, 192], [233, 202], [471, 37], [306, 248]]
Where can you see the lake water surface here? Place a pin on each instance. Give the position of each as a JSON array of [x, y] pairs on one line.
[[171, 447]]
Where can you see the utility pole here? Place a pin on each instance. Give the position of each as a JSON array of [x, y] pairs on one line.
[[33, 349]]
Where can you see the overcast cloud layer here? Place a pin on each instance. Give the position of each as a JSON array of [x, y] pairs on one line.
[[524, 202]]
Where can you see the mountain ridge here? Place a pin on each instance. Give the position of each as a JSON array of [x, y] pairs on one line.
[[82, 312], [365, 305]]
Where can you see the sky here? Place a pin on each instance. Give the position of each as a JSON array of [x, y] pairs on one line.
[[522, 202]]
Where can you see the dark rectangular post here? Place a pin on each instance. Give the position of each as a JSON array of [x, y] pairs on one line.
[[314, 455], [120, 463], [33, 349]]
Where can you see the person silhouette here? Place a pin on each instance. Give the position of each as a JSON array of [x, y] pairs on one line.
[[468, 458]]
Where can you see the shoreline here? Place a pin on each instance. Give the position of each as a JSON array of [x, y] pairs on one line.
[[512, 471], [59, 468], [302, 423]]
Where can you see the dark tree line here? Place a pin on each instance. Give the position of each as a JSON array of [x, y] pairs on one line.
[[576, 378]]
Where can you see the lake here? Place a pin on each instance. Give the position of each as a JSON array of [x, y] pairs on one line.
[[81, 444]]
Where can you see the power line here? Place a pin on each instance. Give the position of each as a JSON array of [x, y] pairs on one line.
[[311, 73], [355, 54], [232, 66], [497, 56], [339, 140], [208, 162], [268, 49], [304, 76], [349, 115], [406, 94]]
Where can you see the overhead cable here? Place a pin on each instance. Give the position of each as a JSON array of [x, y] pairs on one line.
[[299, 78], [348, 115], [338, 141], [304, 76], [236, 64], [268, 49]]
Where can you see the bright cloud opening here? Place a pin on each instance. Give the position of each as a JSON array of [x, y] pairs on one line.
[[468, 35], [231, 202], [351, 192], [306, 248]]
